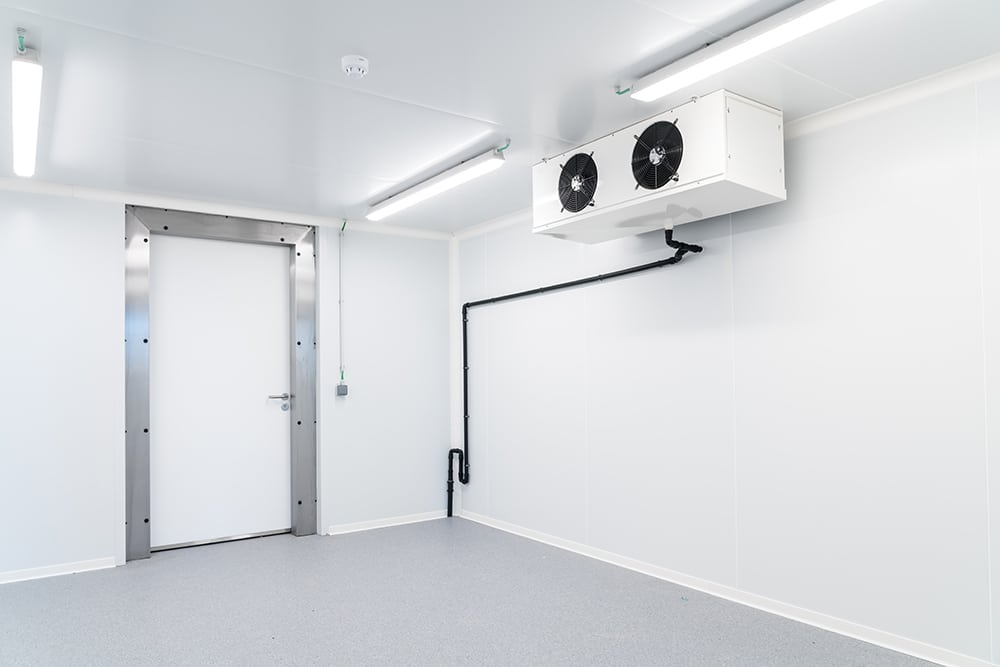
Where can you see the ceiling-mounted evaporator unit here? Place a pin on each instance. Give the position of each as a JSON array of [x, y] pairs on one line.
[[714, 155]]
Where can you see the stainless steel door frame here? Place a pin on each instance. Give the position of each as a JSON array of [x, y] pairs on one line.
[[142, 225]]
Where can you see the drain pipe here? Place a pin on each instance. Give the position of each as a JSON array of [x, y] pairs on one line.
[[462, 454], [680, 248]]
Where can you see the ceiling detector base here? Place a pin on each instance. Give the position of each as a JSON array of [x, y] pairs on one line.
[[355, 67]]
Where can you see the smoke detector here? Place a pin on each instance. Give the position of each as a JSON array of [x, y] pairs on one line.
[[355, 67]]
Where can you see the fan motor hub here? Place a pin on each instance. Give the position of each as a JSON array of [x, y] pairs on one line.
[[657, 155], [576, 183]]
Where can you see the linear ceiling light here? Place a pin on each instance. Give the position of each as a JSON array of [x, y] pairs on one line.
[[444, 181], [26, 99], [796, 21]]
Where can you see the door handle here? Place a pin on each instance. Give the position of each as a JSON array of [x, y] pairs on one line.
[[280, 397]]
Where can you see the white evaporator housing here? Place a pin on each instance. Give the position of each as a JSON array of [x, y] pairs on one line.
[[710, 156]]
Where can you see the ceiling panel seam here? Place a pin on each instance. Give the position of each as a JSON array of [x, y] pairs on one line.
[[693, 26], [809, 77]]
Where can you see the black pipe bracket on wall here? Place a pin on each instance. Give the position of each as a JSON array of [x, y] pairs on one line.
[[680, 249]]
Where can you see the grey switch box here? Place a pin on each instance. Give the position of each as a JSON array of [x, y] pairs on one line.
[[341, 389]]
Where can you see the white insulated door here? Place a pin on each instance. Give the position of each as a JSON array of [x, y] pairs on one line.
[[220, 450]]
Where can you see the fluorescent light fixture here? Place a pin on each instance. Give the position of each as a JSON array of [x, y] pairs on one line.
[[462, 173], [26, 98], [785, 26]]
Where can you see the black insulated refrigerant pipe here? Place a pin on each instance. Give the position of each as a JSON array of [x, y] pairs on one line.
[[463, 454]]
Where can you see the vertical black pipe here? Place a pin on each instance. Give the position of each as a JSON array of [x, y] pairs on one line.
[[451, 479], [463, 470], [463, 454], [451, 483]]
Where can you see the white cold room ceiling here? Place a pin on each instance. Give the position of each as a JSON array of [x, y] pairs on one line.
[[243, 101]]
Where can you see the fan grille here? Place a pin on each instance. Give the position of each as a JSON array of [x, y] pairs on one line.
[[657, 155], [578, 182]]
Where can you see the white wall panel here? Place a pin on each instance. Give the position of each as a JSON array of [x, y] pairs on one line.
[[988, 121], [536, 411], [384, 446], [859, 390], [660, 386], [513, 265], [62, 398], [597, 412], [524, 424]]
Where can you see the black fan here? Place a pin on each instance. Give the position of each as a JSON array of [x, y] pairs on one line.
[[657, 155], [578, 182]]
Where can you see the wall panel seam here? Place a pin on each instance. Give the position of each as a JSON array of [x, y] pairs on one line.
[[993, 639]]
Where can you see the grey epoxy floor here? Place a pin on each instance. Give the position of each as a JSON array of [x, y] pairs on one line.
[[446, 592]]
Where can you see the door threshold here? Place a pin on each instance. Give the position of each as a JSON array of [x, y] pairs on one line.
[[219, 540]]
